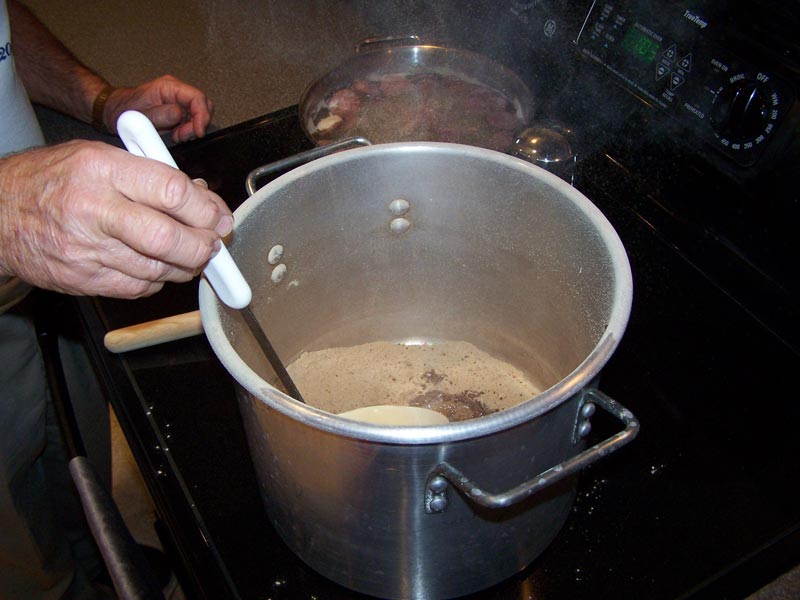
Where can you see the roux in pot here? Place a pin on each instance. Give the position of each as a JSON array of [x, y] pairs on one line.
[[454, 378]]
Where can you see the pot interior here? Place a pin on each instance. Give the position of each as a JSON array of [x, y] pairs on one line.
[[422, 244]]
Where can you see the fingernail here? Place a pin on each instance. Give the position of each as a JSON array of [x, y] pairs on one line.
[[225, 225], [216, 247], [201, 181]]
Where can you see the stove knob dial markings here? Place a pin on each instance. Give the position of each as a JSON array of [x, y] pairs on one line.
[[745, 110]]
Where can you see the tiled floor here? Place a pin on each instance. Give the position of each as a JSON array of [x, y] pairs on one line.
[[131, 496], [129, 490]]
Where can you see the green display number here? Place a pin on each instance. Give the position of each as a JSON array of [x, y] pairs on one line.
[[640, 45]]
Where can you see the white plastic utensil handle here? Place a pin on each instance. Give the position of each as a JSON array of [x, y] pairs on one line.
[[141, 138]]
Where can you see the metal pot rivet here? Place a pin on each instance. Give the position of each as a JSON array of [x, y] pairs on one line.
[[275, 254], [278, 273], [399, 206], [399, 225], [437, 485], [438, 504], [587, 410], [584, 429]]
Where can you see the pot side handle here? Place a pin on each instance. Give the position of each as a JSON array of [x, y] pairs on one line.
[[251, 183], [444, 473], [151, 333]]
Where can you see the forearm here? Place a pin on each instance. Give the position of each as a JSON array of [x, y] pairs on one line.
[[52, 75]]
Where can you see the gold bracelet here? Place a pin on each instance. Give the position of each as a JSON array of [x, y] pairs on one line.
[[99, 106]]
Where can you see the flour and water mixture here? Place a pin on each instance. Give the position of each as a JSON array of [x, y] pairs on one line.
[[453, 378]]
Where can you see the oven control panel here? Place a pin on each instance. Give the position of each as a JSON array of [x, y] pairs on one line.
[[683, 62]]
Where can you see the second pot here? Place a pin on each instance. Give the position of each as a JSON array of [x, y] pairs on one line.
[[417, 92]]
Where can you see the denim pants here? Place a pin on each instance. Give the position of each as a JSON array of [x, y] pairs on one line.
[[46, 548]]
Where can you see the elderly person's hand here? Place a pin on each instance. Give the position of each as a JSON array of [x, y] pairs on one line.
[[170, 104], [55, 78], [88, 218]]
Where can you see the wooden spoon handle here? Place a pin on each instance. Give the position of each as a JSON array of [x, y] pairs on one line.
[[155, 332]]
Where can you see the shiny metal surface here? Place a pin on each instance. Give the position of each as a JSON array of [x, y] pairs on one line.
[[472, 490], [354, 509], [498, 253], [252, 181], [548, 145], [542, 146]]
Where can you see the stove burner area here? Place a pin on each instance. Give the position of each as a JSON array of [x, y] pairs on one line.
[[456, 379]]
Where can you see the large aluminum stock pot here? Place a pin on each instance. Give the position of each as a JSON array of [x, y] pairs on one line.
[[490, 250]]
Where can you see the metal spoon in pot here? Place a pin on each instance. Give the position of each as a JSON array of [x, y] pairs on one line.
[[141, 138]]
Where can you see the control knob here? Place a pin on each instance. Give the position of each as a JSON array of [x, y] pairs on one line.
[[745, 110]]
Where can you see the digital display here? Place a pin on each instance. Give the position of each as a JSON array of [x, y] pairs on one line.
[[640, 45]]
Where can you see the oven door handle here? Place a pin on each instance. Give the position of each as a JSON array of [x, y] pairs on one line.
[[251, 183], [445, 474]]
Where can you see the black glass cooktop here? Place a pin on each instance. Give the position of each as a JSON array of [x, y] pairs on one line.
[[701, 504]]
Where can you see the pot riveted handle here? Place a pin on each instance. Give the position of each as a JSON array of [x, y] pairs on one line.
[[444, 473], [251, 183]]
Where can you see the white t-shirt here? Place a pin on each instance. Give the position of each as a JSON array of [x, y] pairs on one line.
[[19, 130]]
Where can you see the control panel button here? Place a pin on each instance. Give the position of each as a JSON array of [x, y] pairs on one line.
[[675, 81], [671, 53]]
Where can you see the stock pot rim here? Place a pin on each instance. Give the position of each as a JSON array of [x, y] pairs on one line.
[[562, 391]]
